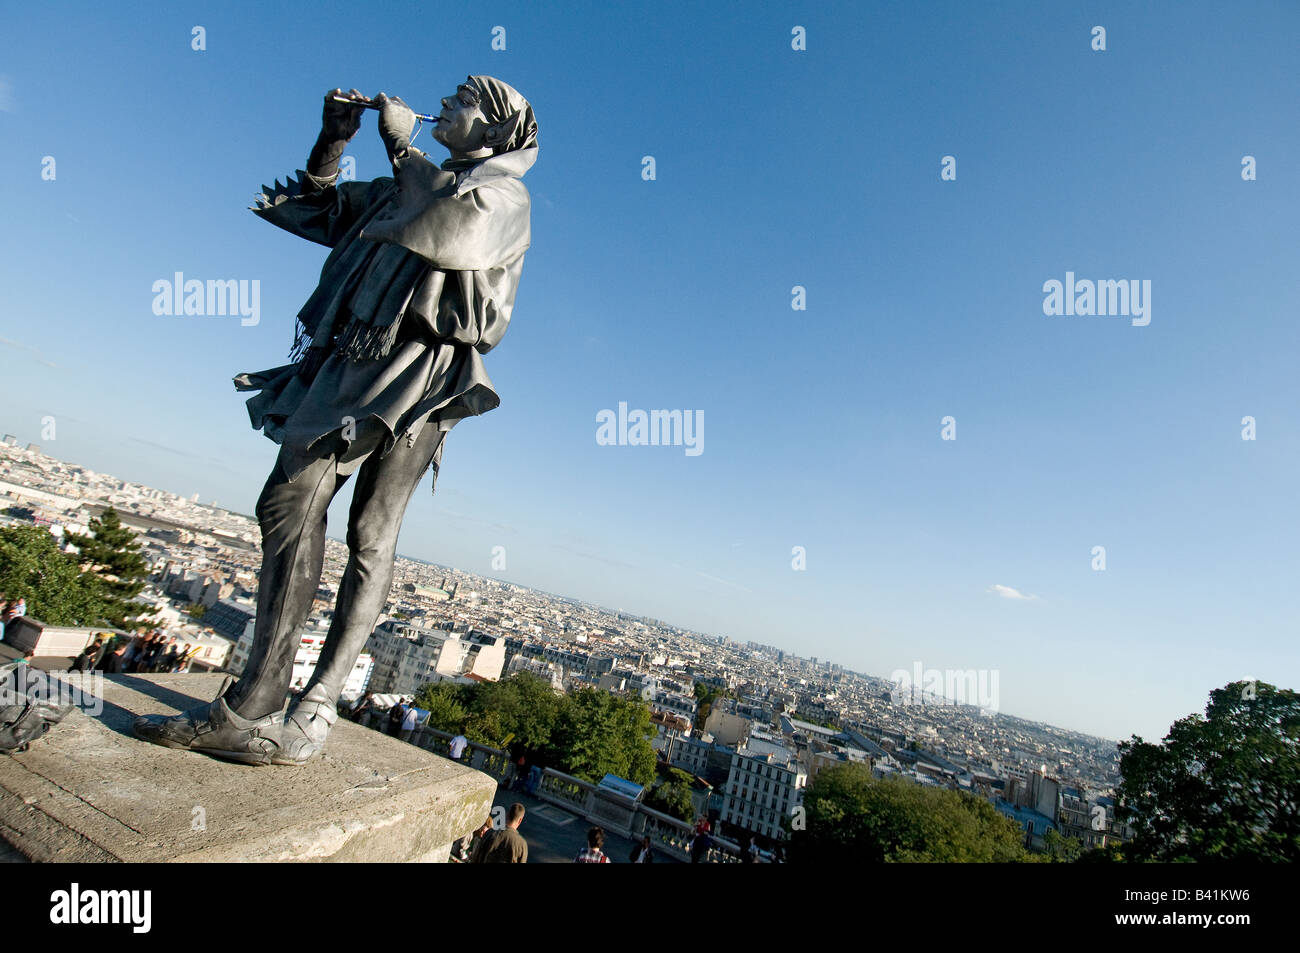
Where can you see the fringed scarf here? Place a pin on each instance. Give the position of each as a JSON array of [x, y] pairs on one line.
[[359, 315]]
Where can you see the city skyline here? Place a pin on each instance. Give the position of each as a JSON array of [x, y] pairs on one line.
[[203, 557], [775, 169], [916, 689]]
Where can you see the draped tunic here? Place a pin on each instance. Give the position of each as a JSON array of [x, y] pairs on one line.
[[420, 282]]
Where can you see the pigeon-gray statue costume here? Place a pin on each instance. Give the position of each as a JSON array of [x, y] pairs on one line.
[[419, 284]]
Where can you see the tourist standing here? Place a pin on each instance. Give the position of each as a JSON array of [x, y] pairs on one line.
[[86, 660], [642, 852], [749, 850], [410, 716], [702, 842], [114, 661], [395, 716], [149, 656], [132, 656], [107, 644], [361, 712], [592, 853], [459, 744], [168, 658], [13, 610], [467, 848], [506, 846], [186, 657]]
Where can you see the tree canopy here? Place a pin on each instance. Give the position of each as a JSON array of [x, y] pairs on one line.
[[1223, 786], [1060, 849], [588, 733], [32, 567], [705, 696], [598, 733], [111, 551], [672, 795], [854, 818]]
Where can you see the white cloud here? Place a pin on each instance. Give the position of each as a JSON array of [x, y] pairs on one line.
[[725, 582], [1006, 592], [38, 357]]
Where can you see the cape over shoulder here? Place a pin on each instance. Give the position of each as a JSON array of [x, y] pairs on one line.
[[472, 222]]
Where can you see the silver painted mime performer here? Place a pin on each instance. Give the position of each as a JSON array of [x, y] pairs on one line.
[[420, 282]]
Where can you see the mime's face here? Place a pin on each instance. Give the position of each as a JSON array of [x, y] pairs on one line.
[[462, 127]]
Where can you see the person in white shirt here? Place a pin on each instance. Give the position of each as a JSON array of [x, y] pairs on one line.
[[458, 745], [409, 721]]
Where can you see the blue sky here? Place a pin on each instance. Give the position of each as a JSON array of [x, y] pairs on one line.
[[775, 168]]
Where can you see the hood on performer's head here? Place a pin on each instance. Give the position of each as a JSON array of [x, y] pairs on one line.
[[502, 105]]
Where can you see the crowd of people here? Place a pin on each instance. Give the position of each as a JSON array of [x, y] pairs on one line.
[[155, 652], [112, 652], [400, 720]]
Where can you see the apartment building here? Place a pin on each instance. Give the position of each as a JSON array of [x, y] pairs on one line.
[[764, 786]]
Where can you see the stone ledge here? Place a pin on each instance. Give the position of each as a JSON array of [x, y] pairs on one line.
[[90, 791]]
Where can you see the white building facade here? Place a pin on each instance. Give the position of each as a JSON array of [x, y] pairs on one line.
[[764, 787], [408, 657]]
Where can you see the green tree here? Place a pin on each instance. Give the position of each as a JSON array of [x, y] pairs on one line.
[[1110, 854], [527, 707], [673, 794], [678, 776], [598, 734], [1061, 849], [32, 567], [111, 551], [446, 703], [706, 695], [587, 734], [853, 818], [520, 710], [1223, 786], [486, 728], [672, 798]]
